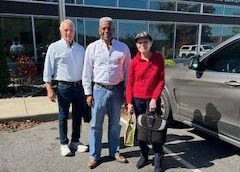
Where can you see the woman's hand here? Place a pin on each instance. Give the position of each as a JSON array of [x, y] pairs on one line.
[[130, 109], [152, 105]]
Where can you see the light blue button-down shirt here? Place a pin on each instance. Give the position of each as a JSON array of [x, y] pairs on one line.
[[63, 62], [105, 66]]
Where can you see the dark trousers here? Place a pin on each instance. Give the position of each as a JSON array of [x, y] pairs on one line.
[[142, 106], [70, 94]]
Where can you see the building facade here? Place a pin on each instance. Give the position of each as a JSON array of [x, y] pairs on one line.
[[31, 25]]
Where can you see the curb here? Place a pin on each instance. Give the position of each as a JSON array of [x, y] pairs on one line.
[[40, 118]]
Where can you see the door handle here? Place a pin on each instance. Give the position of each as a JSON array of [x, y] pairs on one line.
[[232, 84]]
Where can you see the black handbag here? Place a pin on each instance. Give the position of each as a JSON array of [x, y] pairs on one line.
[[151, 127]]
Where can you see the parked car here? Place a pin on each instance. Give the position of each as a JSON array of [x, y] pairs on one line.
[[190, 50], [205, 92]]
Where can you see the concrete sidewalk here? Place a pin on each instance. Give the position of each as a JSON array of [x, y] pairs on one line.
[[38, 108], [28, 108]]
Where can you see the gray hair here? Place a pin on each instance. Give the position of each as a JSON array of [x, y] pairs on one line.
[[105, 19], [67, 21]]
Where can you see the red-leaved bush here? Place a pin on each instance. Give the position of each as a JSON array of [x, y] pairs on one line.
[[25, 67]]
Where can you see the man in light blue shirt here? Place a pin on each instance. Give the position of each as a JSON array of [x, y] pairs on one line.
[[63, 64], [106, 67]]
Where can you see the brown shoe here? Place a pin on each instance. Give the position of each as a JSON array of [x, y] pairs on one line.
[[121, 159], [92, 163]]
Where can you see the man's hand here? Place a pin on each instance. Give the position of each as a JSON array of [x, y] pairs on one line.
[[90, 100], [51, 93], [152, 105]]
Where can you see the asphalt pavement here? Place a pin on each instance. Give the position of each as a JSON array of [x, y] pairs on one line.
[[37, 149]]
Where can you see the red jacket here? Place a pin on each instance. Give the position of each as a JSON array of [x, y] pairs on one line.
[[145, 78]]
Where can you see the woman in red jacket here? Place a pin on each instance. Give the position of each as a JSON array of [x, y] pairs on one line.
[[143, 91]]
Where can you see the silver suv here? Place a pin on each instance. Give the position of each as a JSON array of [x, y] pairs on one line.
[[190, 50], [205, 92]]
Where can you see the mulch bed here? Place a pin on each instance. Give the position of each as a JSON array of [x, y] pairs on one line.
[[13, 126]]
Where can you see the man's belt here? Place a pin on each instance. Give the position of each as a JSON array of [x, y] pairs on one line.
[[106, 86], [77, 83]]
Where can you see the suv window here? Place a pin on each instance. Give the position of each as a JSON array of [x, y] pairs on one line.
[[227, 59], [185, 48], [207, 47]]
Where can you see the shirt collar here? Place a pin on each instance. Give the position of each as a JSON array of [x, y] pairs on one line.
[[138, 56], [66, 43], [103, 42]]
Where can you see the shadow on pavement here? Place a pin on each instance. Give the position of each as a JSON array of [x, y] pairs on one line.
[[199, 153]]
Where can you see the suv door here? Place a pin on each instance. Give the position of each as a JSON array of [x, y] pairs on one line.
[[213, 100]]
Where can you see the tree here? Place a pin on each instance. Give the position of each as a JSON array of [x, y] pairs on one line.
[[4, 73]]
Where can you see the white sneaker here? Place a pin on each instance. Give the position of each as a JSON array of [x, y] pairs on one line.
[[65, 150], [79, 146]]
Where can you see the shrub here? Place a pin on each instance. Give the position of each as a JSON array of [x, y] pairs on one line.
[[168, 62], [4, 73]]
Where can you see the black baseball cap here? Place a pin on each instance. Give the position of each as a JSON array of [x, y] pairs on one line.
[[143, 35]]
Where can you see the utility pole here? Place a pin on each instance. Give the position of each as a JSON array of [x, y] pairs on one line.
[[61, 10]]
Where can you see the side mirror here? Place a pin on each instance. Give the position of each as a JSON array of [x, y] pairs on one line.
[[195, 64]]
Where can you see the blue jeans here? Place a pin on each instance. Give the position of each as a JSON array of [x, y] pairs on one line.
[[68, 94], [106, 101]]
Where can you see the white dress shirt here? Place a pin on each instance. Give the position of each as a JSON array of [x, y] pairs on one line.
[[105, 66], [63, 62]]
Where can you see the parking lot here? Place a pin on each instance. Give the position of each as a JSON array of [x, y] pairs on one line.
[[37, 149]]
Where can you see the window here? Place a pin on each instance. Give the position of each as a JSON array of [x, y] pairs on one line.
[[227, 59], [47, 0], [141, 4], [111, 3], [162, 5], [162, 34], [188, 7], [185, 47], [231, 10], [79, 1], [185, 35], [213, 9], [211, 35], [17, 37], [91, 29], [194, 48], [229, 31], [46, 31], [80, 32], [66, 1], [127, 32], [69, 1]]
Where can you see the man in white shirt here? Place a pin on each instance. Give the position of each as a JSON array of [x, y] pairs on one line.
[[63, 64], [106, 67]]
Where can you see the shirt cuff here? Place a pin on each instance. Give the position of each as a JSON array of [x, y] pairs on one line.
[[47, 79], [87, 91]]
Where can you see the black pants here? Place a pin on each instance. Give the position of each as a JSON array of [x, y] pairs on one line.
[[141, 106]]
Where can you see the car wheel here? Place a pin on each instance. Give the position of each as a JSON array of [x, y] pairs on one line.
[[184, 56], [166, 107]]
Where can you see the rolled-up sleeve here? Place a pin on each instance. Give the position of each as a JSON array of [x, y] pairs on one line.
[[49, 65], [126, 65], [87, 71]]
